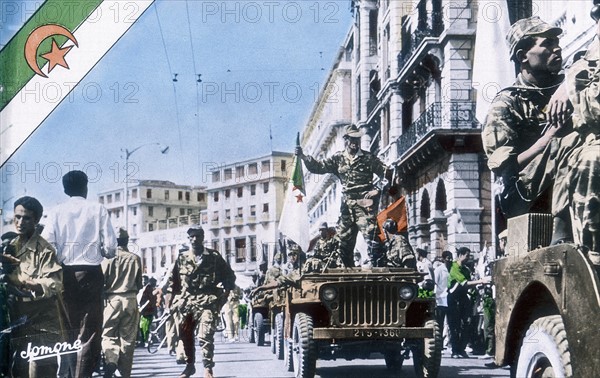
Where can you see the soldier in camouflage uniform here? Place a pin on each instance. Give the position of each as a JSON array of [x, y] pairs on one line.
[[196, 276], [327, 247], [581, 168], [399, 252], [122, 282], [355, 169], [525, 123]]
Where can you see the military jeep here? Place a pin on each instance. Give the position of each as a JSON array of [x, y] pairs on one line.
[[547, 304], [352, 312]]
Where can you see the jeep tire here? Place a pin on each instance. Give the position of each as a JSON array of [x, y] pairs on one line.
[[545, 350], [259, 329], [304, 347], [427, 354]]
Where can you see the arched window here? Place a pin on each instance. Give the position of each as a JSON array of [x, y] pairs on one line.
[[425, 207], [440, 197]]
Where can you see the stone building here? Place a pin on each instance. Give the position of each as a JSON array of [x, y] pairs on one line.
[[245, 199]]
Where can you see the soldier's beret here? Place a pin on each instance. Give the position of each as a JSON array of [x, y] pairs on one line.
[[531, 26]]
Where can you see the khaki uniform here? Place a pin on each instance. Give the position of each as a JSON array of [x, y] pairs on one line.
[[515, 121], [195, 279], [45, 321], [399, 252], [356, 213], [122, 281], [581, 170], [232, 314]]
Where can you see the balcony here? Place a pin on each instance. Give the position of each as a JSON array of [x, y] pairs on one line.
[[449, 126]]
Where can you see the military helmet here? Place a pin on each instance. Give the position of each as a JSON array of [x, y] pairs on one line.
[[323, 226], [532, 26], [390, 225]]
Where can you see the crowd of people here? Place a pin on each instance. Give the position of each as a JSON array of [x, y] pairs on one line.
[[71, 288]]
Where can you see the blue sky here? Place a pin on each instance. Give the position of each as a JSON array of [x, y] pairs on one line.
[[262, 65]]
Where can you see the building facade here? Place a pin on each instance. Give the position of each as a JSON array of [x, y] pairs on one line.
[[244, 206], [153, 205], [411, 88]]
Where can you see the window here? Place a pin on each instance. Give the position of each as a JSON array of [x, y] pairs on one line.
[[240, 191], [239, 172], [215, 217], [166, 195], [200, 197], [265, 207], [101, 199], [216, 196], [283, 166], [228, 174], [117, 213], [117, 197], [215, 244], [109, 198], [168, 209], [266, 187], [252, 169], [150, 226], [190, 211], [265, 166], [240, 212], [134, 210], [227, 193], [187, 196], [252, 189], [252, 248], [216, 176], [253, 210], [227, 214], [150, 211], [182, 211], [133, 193], [240, 250], [148, 193], [180, 195]]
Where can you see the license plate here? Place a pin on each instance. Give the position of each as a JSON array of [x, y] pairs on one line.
[[377, 333]]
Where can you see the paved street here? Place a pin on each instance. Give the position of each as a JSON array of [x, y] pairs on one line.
[[245, 360]]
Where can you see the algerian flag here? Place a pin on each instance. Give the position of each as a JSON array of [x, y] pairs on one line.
[[44, 61], [492, 68], [294, 215]]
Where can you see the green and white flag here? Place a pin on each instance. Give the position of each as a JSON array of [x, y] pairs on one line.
[[294, 215], [53, 51]]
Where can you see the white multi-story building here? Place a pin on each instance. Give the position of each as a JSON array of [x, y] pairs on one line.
[[245, 199], [153, 205]]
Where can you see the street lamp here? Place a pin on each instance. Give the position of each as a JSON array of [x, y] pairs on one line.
[[128, 153]]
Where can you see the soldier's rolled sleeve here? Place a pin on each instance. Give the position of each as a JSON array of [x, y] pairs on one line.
[[499, 137]]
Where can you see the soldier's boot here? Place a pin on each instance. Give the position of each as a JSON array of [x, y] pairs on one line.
[[208, 373], [109, 370], [189, 370]]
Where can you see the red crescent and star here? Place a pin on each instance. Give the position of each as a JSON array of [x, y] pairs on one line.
[[56, 56]]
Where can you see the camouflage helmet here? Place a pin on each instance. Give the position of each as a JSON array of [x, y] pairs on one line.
[[532, 26]]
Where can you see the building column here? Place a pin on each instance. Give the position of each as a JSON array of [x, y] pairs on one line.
[[438, 228]]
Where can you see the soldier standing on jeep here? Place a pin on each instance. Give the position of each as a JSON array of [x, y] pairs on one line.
[[355, 169]]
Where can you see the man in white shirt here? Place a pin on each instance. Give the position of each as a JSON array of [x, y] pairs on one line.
[[83, 236], [440, 275], [424, 265]]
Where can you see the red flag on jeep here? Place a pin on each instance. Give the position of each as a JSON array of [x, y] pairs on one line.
[[395, 211]]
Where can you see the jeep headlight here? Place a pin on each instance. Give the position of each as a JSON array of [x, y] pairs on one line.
[[407, 292], [329, 293]]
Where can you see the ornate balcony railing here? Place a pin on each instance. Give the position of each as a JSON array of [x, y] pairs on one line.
[[459, 115], [415, 41]]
